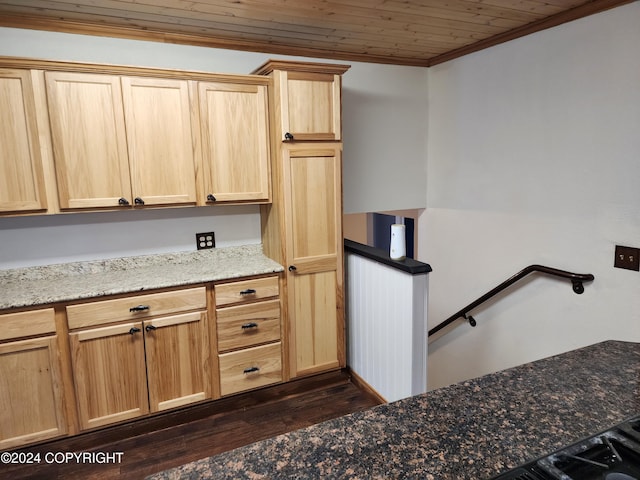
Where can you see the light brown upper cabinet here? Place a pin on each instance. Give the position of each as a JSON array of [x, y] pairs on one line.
[[308, 96], [21, 175], [160, 140], [235, 142], [89, 140], [121, 140]]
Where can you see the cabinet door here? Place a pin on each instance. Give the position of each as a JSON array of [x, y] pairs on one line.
[[159, 140], [30, 392], [109, 374], [235, 139], [313, 210], [21, 178], [177, 360], [89, 143], [310, 105]]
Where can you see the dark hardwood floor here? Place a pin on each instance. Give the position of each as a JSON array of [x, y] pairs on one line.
[[201, 431]]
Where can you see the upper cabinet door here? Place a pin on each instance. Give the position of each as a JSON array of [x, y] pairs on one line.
[[88, 132], [235, 142], [21, 179], [160, 140], [310, 105]]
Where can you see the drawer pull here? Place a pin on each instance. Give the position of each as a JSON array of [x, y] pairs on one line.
[[248, 291], [148, 328], [251, 370], [139, 308], [249, 325], [133, 330]]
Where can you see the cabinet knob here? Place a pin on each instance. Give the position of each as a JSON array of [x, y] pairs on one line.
[[251, 369], [288, 136], [149, 328], [133, 330], [211, 198], [248, 291], [139, 308], [138, 201], [292, 268], [249, 325], [123, 201]]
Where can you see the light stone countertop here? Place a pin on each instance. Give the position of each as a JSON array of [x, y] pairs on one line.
[[33, 286]]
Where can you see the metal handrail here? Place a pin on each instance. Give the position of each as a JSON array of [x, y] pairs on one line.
[[576, 280]]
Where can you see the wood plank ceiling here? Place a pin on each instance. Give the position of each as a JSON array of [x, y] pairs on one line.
[[401, 32]]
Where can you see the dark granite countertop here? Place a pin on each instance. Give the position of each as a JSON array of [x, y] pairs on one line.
[[471, 430]]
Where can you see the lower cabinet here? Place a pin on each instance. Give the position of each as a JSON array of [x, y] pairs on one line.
[[31, 398], [248, 332], [127, 370], [132, 356], [109, 374], [177, 352], [250, 368]]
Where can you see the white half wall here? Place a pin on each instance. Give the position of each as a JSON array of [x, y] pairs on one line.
[[534, 157]]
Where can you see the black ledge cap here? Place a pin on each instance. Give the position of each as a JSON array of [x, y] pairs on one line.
[[409, 265]]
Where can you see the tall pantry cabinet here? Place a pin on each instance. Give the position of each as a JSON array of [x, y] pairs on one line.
[[302, 228]]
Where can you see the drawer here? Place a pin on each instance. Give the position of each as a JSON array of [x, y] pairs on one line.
[[27, 324], [246, 290], [246, 325], [250, 368], [135, 307]]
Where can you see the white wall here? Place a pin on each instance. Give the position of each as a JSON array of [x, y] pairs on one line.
[[384, 109], [534, 157], [42, 240], [385, 138]]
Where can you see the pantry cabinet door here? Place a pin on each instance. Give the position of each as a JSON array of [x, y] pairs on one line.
[[314, 217], [109, 374], [177, 360], [21, 177], [159, 140], [89, 141], [235, 139]]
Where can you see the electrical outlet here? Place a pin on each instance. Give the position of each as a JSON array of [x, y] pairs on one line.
[[627, 257], [205, 240]]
